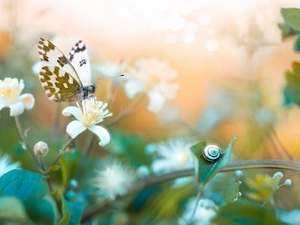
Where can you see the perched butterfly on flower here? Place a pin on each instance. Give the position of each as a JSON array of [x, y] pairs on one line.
[[65, 79]]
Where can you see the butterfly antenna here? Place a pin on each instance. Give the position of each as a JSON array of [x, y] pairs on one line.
[[110, 78]]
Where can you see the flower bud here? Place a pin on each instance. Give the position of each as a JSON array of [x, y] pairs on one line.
[[277, 175], [41, 148], [288, 182], [238, 173]]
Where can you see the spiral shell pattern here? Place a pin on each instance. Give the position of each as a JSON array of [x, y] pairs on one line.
[[212, 153]]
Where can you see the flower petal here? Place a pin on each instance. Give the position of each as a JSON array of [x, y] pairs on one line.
[[75, 128], [102, 133], [3, 102], [72, 110], [27, 100], [156, 101], [16, 109], [161, 165], [132, 87]]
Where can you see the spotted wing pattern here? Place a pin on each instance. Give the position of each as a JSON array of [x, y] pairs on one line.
[[79, 58], [57, 75]]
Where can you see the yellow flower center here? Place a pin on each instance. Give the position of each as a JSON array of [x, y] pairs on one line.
[[183, 158], [93, 112], [11, 89]]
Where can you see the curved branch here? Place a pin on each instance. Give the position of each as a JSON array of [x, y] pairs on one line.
[[157, 179]]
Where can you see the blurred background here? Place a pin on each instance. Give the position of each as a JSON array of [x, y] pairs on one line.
[[229, 55]]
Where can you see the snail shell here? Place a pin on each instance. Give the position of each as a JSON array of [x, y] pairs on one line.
[[212, 153]]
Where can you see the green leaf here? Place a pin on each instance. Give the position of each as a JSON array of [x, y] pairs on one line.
[[54, 168], [23, 184], [292, 18], [12, 209], [31, 189], [64, 171], [297, 45], [292, 90], [69, 164], [72, 212], [245, 213], [286, 31], [205, 170]]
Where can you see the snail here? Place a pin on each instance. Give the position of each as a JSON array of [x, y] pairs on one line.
[[212, 153]]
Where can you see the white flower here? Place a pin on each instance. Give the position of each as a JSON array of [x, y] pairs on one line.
[[10, 96], [174, 154], [206, 209], [6, 165], [291, 217], [91, 113], [154, 78], [111, 69], [114, 180], [41, 148]]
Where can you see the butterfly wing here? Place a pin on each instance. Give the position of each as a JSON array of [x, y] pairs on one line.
[[59, 85], [57, 75], [79, 58]]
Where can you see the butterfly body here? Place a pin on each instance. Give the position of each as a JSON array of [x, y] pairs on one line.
[[65, 79]]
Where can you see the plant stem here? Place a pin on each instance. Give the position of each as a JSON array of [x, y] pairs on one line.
[[157, 179], [60, 154], [200, 191], [26, 145]]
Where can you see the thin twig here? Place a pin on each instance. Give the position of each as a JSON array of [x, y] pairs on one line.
[[60, 154], [25, 143], [199, 195]]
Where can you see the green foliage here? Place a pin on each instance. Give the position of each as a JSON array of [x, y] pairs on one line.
[[291, 17], [128, 146], [297, 45], [12, 209], [71, 212], [69, 163], [30, 188], [292, 90], [172, 201], [205, 170], [286, 31], [245, 213], [291, 27]]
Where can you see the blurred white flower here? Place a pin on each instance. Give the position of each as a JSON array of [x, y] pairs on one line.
[[143, 171], [10, 96], [88, 115], [155, 79], [114, 180], [291, 217], [111, 69], [174, 154], [206, 209], [6, 165]]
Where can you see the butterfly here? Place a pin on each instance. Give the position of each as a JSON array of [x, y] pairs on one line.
[[65, 79]]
